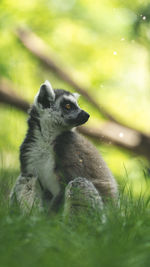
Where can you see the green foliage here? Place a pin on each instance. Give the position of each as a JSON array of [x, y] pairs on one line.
[[123, 239], [103, 44]]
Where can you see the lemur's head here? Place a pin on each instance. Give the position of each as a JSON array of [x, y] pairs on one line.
[[59, 106]]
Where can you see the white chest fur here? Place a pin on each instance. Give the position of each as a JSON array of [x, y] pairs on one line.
[[41, 163]]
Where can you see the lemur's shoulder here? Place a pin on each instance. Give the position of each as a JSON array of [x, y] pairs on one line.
[[73, 142], [71, 148]]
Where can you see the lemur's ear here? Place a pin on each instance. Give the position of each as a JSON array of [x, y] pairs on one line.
[[76, 95], [45, 95]]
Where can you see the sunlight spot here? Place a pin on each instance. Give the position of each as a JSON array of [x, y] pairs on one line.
[[121, 135], [144, 17], [122, 39], [114, 53]]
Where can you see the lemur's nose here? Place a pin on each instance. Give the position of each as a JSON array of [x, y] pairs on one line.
[[85, 115]]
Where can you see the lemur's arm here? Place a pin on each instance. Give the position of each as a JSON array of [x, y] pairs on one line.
[[27, 195], [81, 198]]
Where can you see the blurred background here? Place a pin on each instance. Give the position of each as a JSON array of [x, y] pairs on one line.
[[100, 49]]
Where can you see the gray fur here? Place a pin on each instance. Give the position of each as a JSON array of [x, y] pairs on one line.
[[27, 194], [76, 156], [56, 154], [81, 198]]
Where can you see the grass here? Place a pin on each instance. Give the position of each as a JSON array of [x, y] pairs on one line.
[[36, 240]]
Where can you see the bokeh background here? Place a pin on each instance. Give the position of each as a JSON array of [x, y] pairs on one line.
[[104, 46]]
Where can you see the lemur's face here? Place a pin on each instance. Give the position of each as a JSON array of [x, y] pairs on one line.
[[59, 107]]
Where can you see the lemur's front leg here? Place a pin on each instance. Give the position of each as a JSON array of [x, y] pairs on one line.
[[82, 198], [27, 195]]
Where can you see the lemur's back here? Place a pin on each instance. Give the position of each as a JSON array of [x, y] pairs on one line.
[[77, 157]]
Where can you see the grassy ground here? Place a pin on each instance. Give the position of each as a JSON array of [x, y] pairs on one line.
[[36, 240]]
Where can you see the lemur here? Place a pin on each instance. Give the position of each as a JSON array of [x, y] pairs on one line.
[[54, 152]]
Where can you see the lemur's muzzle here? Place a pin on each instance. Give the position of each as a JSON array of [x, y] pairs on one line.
[[82, 117]]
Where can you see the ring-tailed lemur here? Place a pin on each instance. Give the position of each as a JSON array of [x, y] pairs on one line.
[[54, 152]]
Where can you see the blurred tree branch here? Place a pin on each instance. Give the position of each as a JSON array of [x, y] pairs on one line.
[[40, 50], [8, 96], [111, 133]]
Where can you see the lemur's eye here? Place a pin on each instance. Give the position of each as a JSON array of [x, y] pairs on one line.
[[68, 106]]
